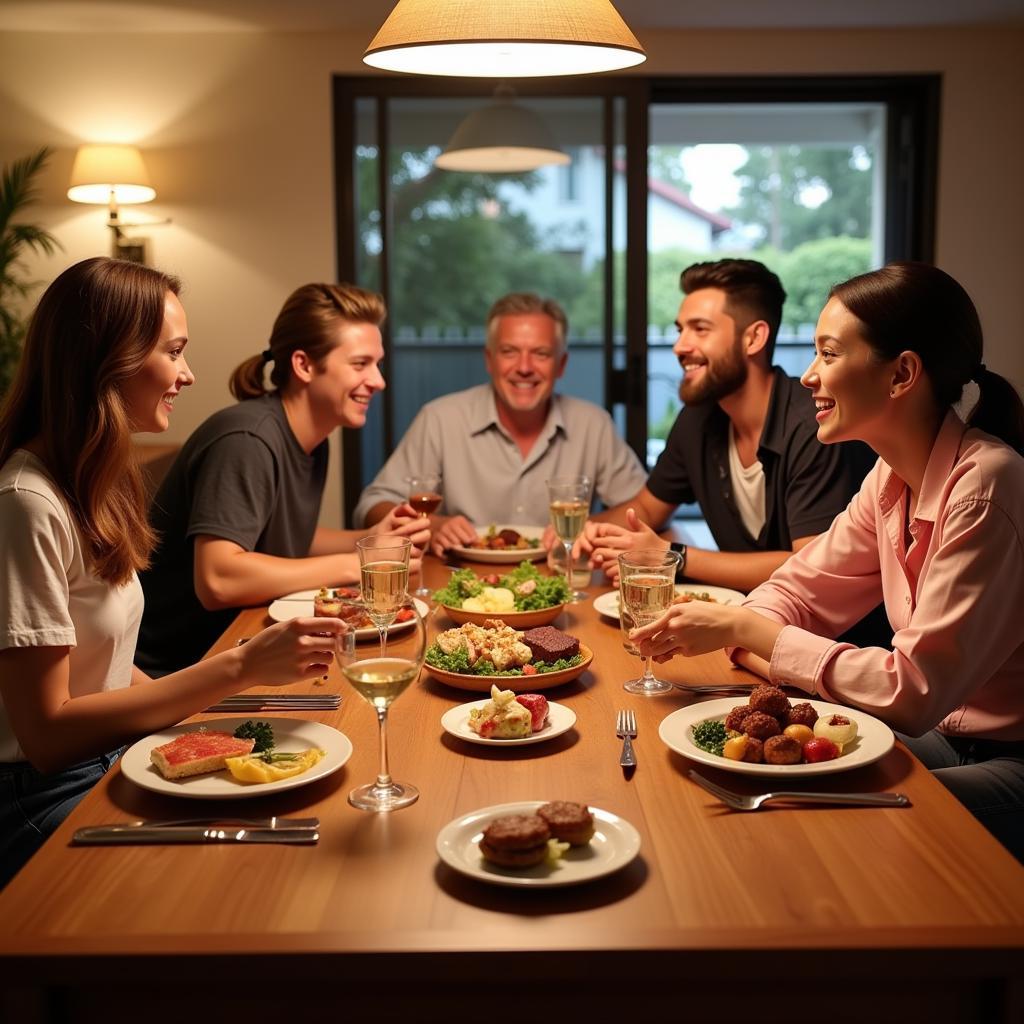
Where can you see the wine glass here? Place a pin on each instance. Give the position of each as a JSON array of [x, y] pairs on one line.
[[380, 681], [647, 580], [569, 498], [425, 498], [384, 570]]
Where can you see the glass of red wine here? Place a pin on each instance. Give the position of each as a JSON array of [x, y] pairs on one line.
[[424, 492]]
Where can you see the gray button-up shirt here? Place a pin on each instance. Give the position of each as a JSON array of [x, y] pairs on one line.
[[484, 475]]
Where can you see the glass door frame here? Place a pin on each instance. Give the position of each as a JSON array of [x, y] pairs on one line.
[[912, 101]]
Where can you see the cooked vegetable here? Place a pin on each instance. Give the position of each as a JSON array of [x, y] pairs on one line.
[[710, 736], [261, 732], [458, 661]]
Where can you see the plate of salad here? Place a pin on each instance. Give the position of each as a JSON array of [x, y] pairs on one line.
[[521, 598]]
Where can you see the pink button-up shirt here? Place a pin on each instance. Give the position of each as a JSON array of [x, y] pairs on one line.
[[954, 596]]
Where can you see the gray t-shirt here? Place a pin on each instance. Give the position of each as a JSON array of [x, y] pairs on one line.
[[242, 476]]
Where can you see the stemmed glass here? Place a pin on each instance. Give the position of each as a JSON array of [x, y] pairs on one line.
[[646, 588], [425, 498], [569, 507], [380, 681], [384, 569]]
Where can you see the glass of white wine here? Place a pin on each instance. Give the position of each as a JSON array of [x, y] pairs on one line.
[[569, 506], [425, 497], [384, 571], [380, 681], [647, 585]]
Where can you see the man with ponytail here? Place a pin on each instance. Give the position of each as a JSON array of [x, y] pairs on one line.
[[237, 512], [104, 357], [936, 531]]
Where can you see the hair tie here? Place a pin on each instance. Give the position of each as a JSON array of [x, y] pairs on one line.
[[268, 356], [979, 372]]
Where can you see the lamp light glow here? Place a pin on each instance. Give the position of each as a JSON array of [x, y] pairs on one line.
[[101, 173], [504, 38]]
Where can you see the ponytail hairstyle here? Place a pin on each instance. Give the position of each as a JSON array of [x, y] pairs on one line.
[[93, 329], [918, 308], [308, 321]]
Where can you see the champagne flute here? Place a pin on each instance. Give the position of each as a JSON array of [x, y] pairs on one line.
[[384, 570], [425, 498], [569, 506], [380, 681], [647, 580]]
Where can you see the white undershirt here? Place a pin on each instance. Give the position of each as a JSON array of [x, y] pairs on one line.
[[748, 487]]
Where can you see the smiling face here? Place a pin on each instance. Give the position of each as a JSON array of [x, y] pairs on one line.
[[525, 361], [849, 383], [709, 348], [341, 388], [149, 394]]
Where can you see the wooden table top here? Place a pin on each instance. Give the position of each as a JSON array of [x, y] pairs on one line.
[[799, 878]]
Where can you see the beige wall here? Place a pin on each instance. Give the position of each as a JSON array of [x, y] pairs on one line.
[[237, 135]]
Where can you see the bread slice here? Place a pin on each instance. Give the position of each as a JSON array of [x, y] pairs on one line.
[[199, 752]]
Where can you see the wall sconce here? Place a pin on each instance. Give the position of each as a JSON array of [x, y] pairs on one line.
[[501, 137], [511, 39], [110, 175]]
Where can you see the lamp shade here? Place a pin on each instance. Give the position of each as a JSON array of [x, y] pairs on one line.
[[501, 137], [504, 38], [99, 171]]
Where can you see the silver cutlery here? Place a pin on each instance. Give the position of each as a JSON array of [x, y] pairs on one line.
[[625, 729], [268, 702], [741, 802], [217, 832], [272, 822]]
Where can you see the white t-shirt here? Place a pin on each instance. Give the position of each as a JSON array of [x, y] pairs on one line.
[[748, 486], [49, 598]]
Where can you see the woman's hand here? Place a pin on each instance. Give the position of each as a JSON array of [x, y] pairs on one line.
[[288, 651], [689, 628], [604, 542]]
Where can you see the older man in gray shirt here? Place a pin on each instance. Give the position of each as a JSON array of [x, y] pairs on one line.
[[496, 445]]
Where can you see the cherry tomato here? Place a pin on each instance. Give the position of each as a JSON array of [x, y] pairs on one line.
[[820, 749]]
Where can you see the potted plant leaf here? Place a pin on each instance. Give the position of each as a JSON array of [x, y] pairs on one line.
[[17, 190]]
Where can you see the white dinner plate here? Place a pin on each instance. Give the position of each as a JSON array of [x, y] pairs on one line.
[[505, 556], [614, 845], [874, 740], [608, 603], [300, 606], [289, 734], [455, 722]]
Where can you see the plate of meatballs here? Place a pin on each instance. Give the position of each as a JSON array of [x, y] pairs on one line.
[[773, 735], [506, 844]]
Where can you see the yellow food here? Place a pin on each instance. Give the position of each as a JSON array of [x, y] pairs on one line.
[[800, 733], [735, 748], [252, 768], [491, 599]]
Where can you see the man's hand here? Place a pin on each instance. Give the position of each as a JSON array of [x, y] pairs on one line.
[[604, 542], [405, 521], [453, 531]]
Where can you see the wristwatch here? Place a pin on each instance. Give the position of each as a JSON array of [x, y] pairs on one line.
[[680, 549]]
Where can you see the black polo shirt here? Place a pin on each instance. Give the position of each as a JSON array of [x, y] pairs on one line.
[[807, 483]]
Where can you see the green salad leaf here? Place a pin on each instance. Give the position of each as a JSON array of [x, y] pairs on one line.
[[458, 661], [547, 592]]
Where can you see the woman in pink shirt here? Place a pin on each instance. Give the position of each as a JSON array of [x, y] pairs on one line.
[[937, 529]]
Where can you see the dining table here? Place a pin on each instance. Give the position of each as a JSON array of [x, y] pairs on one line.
[[797, 911]]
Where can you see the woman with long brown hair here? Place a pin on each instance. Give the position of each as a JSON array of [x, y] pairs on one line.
[[237, 514], [103, 358], [936, 531]]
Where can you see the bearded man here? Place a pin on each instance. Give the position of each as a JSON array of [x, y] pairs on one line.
[[744, 446]]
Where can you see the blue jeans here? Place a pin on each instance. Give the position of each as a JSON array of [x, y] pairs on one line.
[[32, 805], [986, 776]]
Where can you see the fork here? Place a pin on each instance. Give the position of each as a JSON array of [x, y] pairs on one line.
[[740, 802], [625, 729]]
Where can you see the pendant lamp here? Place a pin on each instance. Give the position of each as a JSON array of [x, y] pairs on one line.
[[502, 137], [504, 38]]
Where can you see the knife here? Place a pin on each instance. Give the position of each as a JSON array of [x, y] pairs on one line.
[[112, 835]]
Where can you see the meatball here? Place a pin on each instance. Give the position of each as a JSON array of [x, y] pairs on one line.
[[782, 750], [754, 752], [571, 823], [802, 714], [770, 700], [516, 840], [760, 726], [734, 720]]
